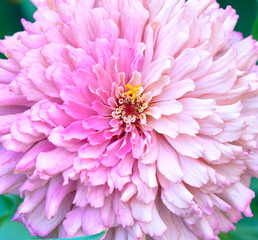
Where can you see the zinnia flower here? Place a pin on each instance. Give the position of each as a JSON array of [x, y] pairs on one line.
[[139, 116]]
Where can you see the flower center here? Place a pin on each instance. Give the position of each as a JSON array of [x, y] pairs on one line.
[[130, 107], [133, 90]]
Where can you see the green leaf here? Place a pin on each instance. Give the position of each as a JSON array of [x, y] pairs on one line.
[[246, 229], [10, 18], [7, 206], [28, 9], [13, 1], [255, 29], [92, 237], [11, 230]]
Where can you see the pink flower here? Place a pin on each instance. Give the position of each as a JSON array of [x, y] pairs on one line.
[[138, 116]]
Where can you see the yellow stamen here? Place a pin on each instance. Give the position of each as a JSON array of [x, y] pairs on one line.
[[133, 90]]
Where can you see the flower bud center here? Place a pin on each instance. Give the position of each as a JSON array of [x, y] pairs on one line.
[[130, 107]]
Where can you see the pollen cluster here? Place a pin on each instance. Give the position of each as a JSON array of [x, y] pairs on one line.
[[130, 108]]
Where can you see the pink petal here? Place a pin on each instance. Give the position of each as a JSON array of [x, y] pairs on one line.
[[176, 90], [56, 193], [195, 173], [95, 197], [151, 156], [141, 211], [37, 75], [122, 211], [101, 109], [155, 70], [148, 174], [75, 131], [125, 165], [97, 122], [6, 77], [38, 224], [156, 227], [167, 161], [92, 151], [186, 124], [104, 79], [11, 183], [32, 200], [172, 38], [72, 93], [78, 111], [80, 196], [27, 162], [60, 161], [186, 145], [164, 126], [73, 222], [91, 221], [239, 196], [184, 64], [108, 215], [198, 108]]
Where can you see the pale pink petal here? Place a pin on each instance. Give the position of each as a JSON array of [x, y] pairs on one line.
[[92, 151], [141, 211], [91, 221], [247, 53], [38, 224], [28, 161], [80, 196], [60, 161], [56, 193], [145, 193], [148, 174], [167, 162], [239, 201], [175, 90], [168, 107], [155, 70], [150, 156], [125, 165], [107, 213], [172, 38], [97, 123], [234, 129], [156, 226], [73, 222], [32, 200], [164, 126], [184, 64], [195, 172], [185, 124], [11, 183], [95, 197], [198, 108], [123, 211], [186, 145]]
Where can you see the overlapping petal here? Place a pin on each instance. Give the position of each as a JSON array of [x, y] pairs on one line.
[[137, 116]]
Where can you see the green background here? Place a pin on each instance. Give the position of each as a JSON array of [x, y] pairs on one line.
[[11, 11]]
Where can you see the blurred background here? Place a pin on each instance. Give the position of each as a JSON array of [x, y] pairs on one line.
[[11, 11]]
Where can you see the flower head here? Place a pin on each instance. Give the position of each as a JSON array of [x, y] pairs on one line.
[[138, 116]]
